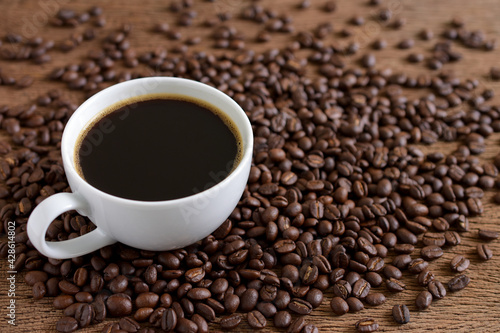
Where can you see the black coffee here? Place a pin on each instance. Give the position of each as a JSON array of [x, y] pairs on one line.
[[159, 148]]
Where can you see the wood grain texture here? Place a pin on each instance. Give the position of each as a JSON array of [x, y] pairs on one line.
[[475, 309]]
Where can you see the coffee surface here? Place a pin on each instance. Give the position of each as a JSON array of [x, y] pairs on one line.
[[158, 149]]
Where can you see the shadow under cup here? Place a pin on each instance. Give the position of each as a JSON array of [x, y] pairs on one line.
[[148, 225]]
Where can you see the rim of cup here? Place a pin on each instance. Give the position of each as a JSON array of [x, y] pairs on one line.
[[246, 137]]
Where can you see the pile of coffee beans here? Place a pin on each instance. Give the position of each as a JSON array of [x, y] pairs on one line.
[[338, 184]]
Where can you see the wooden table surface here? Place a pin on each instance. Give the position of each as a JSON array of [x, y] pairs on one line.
[[475, 309]]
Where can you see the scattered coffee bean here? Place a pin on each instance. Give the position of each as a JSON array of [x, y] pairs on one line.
[[366, 325], [437, 289], [484, 252], [401, 314], [67, 324], [487, 234], [459, 263], [459, 282], [423, 300]]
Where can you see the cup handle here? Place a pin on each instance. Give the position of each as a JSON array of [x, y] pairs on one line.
[[43, 215]]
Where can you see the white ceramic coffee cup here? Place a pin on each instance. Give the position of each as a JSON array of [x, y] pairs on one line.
[[149, 225]]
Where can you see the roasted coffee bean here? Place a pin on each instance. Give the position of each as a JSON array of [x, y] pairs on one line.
[[374, 279], [200, 322], [401, 261], [256, 319], [401, 314], [416, 266], [458, 282], [300, 306], [342, 289], [231, 303], [437, 289], [355, 305], [119, 305], [84, 314], [487, 234], [33, 277], [339, 306], [392, 271], [168, 319], [423, 300], [424, 277], [484, 252], [315, 297], [282, 319], [199, 293], [230, 322], [249, 300], [39, 290], [434, 238], [431, 252], [366, 325], [375, 299], [452, 238], [361, 288], [63, 301], [459, 263], [67, 324], [395, 285]]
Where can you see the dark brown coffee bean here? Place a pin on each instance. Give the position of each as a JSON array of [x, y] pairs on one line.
[[401, 261], [199, 293], [431, 252], [315, 297], [39, 290], [487, 234], [100, 311], [355, 305], [282, 319], [392, 271], [361, 288], [129, 325], [423, 300], [458, 282], [374, 279], [84, 314], [342, 289], [366, 325], [200, 322], [67, 324], [484, 252], [395, 285], [68, 287], [249, 300], [425, 277], [33, 277], [437, 289], [168, 319], [119, 305], [63, 301], [434, 238], [452, 238], [459, 263], [300, 306], [256, 319], [401, 314], [417, 265], [231, 303], [375, 299], [339, 306], [186, 326], [230, 322]]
